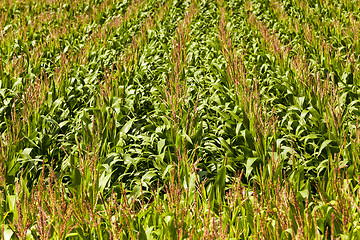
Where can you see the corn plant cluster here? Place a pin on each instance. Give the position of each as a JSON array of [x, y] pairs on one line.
[[179, 119]]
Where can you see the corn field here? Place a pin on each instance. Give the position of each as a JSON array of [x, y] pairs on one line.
[[179, 119]]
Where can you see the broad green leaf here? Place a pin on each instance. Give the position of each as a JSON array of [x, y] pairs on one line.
[[7, 233], [324, 145], [125, 129], [249, 167], [160, 145]]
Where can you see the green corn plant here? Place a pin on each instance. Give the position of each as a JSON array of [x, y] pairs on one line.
[[179, 119]]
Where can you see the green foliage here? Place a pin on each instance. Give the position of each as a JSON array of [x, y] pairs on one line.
[[152, 119]]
